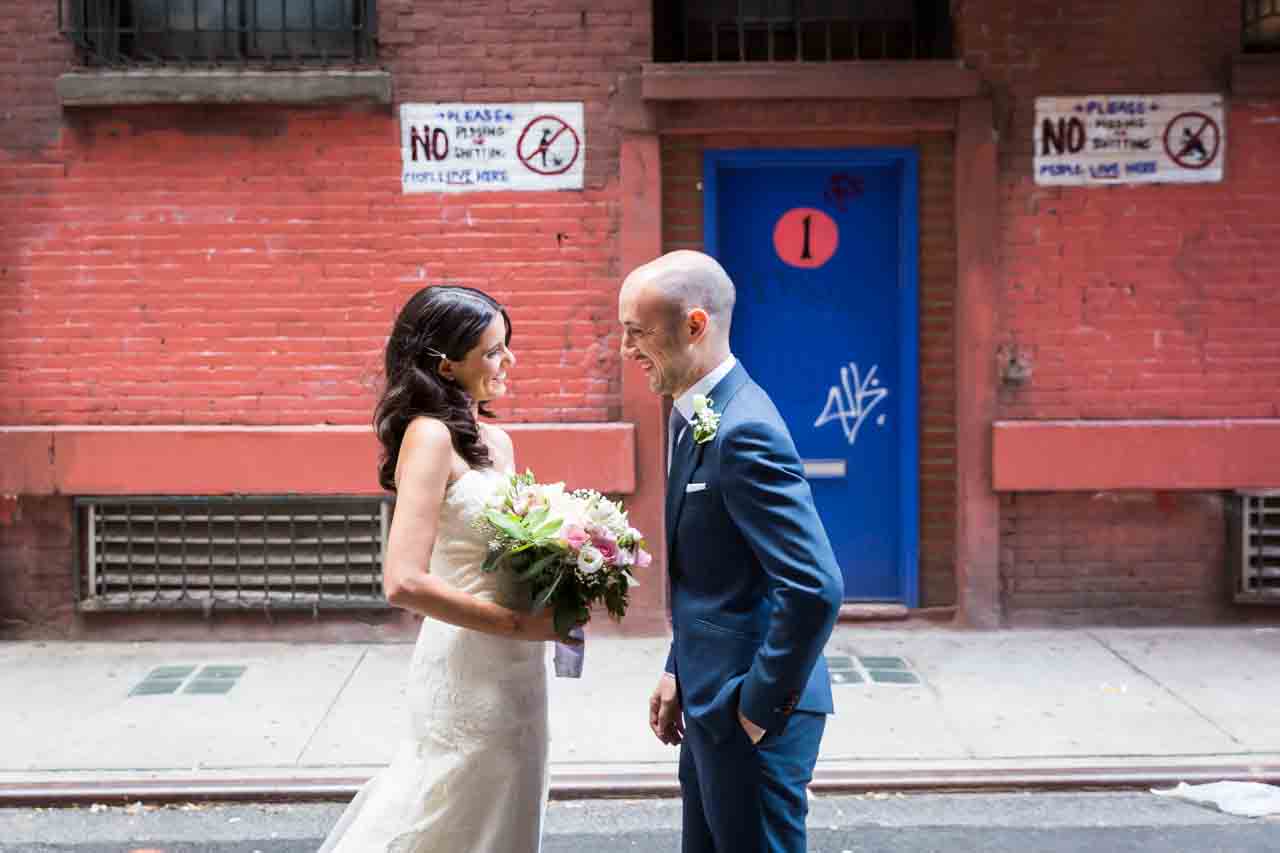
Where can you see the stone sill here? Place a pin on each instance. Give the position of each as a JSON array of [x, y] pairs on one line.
[[927, 79], [320, 460], [1255, 75], [1137, 455], [292, 88]]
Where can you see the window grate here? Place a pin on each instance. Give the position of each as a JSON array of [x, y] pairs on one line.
[[1256, 547], [1261, 24], [143, 33], [801, 30], [174, 553]]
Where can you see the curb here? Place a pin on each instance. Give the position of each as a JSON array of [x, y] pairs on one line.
[[646, 781]]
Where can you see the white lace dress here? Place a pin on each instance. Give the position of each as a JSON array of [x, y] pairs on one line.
[[472, 775]]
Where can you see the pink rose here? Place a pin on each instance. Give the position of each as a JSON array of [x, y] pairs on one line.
[[643, 558], [575, 535], [607, 546]]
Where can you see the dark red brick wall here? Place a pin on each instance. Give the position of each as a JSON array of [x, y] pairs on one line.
[[682, 228], [37, 574], [1115, 559], [1128, 302]]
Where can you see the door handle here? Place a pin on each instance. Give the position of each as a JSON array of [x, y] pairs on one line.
[[825, 469]]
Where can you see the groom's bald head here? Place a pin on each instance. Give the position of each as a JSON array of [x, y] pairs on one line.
[[685, 281], [675, 314]]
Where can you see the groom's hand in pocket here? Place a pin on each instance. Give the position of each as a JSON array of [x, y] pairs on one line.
[[665, 717]]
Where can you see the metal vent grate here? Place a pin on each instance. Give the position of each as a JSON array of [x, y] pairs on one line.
[[1256, 535], [171, 553]]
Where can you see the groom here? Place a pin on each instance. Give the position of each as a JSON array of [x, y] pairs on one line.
[[754, 585]]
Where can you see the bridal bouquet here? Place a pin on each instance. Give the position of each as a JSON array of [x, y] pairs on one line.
[[573, 548]]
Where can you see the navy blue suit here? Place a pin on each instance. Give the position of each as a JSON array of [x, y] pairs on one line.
[[755, 590]]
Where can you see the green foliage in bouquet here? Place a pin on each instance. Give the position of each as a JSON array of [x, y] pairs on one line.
[[571, 549]]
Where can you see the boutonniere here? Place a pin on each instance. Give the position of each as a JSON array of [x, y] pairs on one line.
[[705, 419]]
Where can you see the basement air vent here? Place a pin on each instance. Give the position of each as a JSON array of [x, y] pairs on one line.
[[176, 553], [1255, 547]]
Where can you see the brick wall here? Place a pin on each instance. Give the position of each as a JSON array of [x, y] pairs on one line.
[[1114, 559], [1132, 302], [682, 228], [242, 265], [36, 565], [1127, 302], [224, 265]]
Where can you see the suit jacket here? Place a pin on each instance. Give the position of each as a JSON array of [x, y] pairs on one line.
[[755, 588]]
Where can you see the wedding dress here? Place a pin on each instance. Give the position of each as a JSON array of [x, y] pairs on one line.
[[471, 776]]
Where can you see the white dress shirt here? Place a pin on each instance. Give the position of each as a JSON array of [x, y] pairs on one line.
[[684, 403]]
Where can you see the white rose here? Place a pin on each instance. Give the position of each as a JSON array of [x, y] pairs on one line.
[[590, 560], [700, 403]]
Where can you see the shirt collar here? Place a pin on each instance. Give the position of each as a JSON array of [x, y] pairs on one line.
[[705, 385]]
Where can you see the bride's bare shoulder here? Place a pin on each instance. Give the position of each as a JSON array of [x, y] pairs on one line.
[[426, 434]]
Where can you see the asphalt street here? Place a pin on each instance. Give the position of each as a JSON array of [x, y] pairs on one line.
[[1099, 822]]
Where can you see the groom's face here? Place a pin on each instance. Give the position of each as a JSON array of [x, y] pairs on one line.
[[651, 337]]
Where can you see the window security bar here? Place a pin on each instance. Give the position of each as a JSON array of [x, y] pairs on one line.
[[143, 33], [1261, 24], [801, 30]]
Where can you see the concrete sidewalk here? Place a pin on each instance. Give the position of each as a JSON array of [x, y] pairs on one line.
[[915, 708]]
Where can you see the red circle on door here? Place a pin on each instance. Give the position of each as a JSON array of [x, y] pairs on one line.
[[805, 237]]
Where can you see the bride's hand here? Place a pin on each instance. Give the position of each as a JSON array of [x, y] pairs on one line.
[[539, 627]]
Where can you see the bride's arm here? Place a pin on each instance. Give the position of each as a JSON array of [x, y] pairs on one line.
[[422, 477]]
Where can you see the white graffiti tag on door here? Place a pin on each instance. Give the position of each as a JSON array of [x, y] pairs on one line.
[[851, 402]]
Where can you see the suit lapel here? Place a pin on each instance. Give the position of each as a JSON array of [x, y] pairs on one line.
[[688, 453], [683, 463]]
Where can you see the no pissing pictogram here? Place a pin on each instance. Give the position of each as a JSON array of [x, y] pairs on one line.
[[1192, 140], [548, 145]]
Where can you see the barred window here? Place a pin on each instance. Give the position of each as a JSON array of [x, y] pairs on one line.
[[140, 33], [801, 30]]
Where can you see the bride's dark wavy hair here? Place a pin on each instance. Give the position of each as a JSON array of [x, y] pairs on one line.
[[437, 322]]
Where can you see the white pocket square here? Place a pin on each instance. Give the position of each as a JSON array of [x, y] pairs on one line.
[[694, 487]]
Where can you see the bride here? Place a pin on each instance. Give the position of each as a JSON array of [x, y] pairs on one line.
[[472, 773]]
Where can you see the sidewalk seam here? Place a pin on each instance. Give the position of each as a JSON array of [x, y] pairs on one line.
[[346, 682], [1160, 684]]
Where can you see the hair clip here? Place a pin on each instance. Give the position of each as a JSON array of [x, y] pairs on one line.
[[435, 352]]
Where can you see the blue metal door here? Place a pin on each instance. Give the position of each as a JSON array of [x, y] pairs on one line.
[[822, 248]]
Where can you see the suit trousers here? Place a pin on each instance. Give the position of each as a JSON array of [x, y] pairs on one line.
[[741, 797]]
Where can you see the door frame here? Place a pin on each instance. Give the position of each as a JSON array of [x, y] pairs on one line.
[[908, 309]]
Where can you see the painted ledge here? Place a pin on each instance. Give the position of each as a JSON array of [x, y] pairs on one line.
[[178, 86], [697, 81], [141, 460], [1035, 456]]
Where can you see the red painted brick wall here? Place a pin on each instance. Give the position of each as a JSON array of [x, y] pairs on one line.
[[205, 265], [682, 226], [1128, 302], [242, 265]]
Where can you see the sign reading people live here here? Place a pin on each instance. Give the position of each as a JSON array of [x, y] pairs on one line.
[[455, 148], [1129, 139]]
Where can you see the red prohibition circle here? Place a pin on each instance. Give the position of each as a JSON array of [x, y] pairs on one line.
[[805, 237], [1207, 123], [564, 127]]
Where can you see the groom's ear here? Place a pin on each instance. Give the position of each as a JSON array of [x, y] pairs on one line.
[[697, 323]]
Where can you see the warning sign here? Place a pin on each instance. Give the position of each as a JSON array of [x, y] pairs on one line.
[[478, 147], [1129, 139]]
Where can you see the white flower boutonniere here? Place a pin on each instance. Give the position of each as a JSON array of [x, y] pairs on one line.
[[705, 419]]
